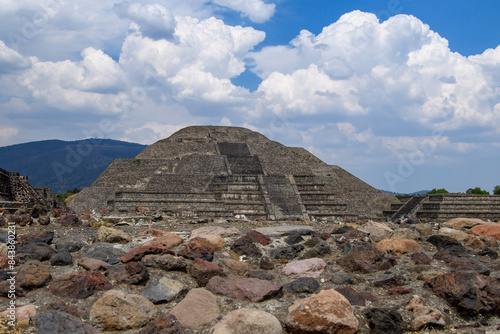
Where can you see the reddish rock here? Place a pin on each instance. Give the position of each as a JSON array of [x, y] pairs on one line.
[[197, 249], [4, 261], [366, 259], [305, 268], [69, 220], [202, 271], [399, 246], [93, 264], [250, 289], [153, 232], [424, 315], [168, 240], [245, 246], [481, 242], [166, 324], [266, 264], [356, 298], [492, 230], [59, 305], [41, 236], [324, 313], [33, 275], [223, 232], [138, 253], [420, 258], [198, 309], [238, 268], [130, 273], [399, 291], [469, 293], [258, 237], [80, 284], [215, 241]]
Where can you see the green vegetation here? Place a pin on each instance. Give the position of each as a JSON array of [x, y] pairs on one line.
[[67, 194], [437, 191], [477, 191], [496, 190]]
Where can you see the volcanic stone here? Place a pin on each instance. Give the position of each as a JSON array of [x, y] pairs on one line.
[[399, 246], [239, 268], [92, 264], [35, 251], [366, 259], [130, 273], [492, 230], [250, 289], [356, 298], [245, 246], [166, 324], [80, 284], [165, 262], [69, 220], [56, 322], [112, 235], [73, 243], [303, 285], [383, 321], [163, 291], [61, 258], [202, 271], [197, 309], [248, 320], [287, 253], [41, 236], [443, 242], [104, 251], [167, 240], [197, 249], [138, 253], [305, 268]]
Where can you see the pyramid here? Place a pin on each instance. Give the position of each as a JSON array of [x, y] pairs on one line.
[[228, 171]]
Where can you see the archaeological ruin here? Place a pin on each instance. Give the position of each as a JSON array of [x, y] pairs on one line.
[[17, 193], [229, 171]]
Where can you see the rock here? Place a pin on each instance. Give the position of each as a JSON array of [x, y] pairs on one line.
[[118, 311], [59, 305], [138, 253], [221, 231], [33, 275], [258, 238], [391, 281], [320, 250], [239, 268], [153, 232], [38, 210], [165, 262], [42, 236], [443, 242], [366, 259], [260, 274], [424, 315], [303, 285], [287, 253], [3, 249], [215, 241], [251, 289], [245, 246], [80, 284], [167, 240], [163, 291], [69, 220], [470, 293], [44, 220], [93, 264], [197, 309], [399, 291], [73, 243], [166, 324], [383, 321], [104, 251], [492, 230], [420, 258], [452, 233], [481, 242], [112, 235], [399, 246], [35, 251], [305, 268], [266, 264], [405, 233], [202, 271], [294, 239], [61, 258], [378, 231], [130, 273], [279, 231], [23, 315], [247, 320], [424, 229], [56, 322], [197, 249], [356, 298], [326, 312], [459, 223], [347, 279]]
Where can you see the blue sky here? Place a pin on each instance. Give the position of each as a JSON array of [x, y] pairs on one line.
[[404, 94]]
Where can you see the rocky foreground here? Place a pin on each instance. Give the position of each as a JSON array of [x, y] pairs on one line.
[[160, 274]]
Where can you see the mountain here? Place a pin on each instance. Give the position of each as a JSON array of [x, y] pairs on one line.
[[421, 192], [63, 165]]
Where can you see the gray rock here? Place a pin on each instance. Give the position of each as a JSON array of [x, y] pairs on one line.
[[288, 253], [163, 291], [62, 258], [72, 243], [55, 322], [279, 231], [104, 251]]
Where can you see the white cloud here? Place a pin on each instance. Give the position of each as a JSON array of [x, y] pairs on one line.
[[256, 10], [7, 135], [11, 60]]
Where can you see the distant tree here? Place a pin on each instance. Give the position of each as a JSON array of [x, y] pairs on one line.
[[438, 191], [496, 191], [477, 191]]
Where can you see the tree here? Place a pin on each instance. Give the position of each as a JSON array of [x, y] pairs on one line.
[[477, 191], [496, 191], [437, 191]]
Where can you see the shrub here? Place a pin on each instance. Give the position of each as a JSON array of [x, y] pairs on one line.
[[477, 191], [496, 190], [437, 191]]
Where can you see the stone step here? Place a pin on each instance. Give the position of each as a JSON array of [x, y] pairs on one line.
[[459, 206]]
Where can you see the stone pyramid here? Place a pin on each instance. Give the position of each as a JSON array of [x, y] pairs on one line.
[[227, 171]]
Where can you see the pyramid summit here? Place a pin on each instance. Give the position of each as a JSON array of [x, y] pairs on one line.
[[224, 171]]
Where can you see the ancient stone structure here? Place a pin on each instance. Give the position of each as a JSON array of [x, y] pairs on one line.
[[16, 193], [228, 171], [443, 207]]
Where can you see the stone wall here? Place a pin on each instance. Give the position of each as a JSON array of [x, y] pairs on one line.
[[4, 183]]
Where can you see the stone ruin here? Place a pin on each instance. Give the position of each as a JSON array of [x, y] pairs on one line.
[[16, 193], [229, 171]]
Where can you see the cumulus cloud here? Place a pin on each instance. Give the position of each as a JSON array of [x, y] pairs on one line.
[[11, 60], [256, 10], [154, 20], [7, 135]]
